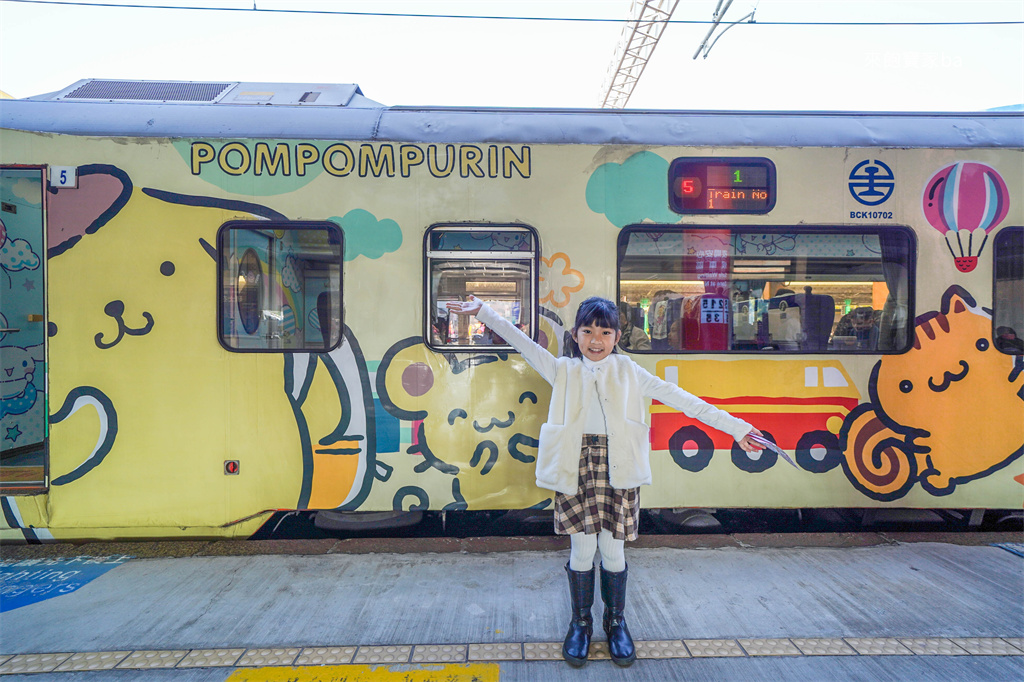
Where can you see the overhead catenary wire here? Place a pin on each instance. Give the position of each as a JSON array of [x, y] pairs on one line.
[[416, 15], [717, 18]]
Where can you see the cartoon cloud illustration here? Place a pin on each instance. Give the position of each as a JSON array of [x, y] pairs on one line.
[[633, 191], [367, 236]]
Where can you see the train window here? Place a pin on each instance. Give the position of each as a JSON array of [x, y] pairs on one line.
[[1007, 311], [279, 286], [496, 263], [767, 289]]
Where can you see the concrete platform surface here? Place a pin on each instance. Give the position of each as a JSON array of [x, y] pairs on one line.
[[735, 609]]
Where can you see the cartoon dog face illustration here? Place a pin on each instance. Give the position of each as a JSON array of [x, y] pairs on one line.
[[138, 349], [22, 403], [18, 369]]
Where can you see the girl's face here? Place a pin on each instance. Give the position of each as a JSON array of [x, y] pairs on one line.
[[596, 343]]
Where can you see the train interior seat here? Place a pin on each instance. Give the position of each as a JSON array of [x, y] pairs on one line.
[[801, 322], [817, 314]]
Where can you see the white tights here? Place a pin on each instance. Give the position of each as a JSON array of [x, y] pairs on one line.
[[583, 548]]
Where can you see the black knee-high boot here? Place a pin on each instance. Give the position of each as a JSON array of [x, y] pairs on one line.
[[577, 640], [613, 592]]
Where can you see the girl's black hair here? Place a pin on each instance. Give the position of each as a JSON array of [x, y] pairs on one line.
[[594, 312]]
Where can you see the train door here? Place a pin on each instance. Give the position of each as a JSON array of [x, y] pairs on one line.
[[23, 404]]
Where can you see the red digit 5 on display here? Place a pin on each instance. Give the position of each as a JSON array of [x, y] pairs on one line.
[[689, 187]]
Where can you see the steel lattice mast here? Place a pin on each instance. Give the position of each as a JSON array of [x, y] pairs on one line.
[[640, 35]]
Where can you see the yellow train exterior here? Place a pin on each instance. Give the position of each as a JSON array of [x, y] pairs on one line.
[[154, 418]]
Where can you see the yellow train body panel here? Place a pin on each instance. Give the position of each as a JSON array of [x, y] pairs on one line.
[[147, 409]]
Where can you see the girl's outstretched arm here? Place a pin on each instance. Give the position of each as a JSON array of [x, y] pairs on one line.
[[535, 355], [692, 406]]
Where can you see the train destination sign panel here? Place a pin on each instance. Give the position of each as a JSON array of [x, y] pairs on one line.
[[700, 185]]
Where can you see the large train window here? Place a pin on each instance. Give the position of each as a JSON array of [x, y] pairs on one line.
[[767, 289], [279, 286], [496, 263], [1007, 310]]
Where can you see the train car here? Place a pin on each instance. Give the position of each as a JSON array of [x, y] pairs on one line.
[[226, 300]]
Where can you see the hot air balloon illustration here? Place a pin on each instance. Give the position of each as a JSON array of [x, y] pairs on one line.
[[965, 201]]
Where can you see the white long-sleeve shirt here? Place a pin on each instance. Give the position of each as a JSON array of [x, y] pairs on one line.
[[622, 387], [594, 420]]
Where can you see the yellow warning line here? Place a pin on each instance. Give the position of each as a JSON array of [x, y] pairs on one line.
[[477, 662], [471, 672]]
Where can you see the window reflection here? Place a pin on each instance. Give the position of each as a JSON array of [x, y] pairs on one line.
[[1008, 311], [495, 264], [250, 291], [280, 286], [752, 289]]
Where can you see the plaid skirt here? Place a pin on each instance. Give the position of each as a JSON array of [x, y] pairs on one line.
[[597, 505]]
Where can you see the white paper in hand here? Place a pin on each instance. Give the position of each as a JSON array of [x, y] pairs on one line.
[[768, 445]]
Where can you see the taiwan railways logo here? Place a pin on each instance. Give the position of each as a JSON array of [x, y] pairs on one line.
[[871, 182]]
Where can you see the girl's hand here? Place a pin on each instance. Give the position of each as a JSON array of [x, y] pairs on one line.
[[748, 445], [470, 307]]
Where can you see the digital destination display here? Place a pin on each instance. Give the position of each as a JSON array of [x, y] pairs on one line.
[[721, 185]]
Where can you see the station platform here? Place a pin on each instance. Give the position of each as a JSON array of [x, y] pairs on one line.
[[800, 606]]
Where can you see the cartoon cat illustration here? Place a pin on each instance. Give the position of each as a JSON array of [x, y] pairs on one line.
[[950, 410]]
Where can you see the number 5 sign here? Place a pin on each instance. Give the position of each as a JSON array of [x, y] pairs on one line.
[[64, 176]]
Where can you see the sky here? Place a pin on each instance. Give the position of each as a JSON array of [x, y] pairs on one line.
[[45, 47]]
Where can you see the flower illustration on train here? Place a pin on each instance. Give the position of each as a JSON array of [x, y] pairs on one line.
[[559, 279], [964, 201]]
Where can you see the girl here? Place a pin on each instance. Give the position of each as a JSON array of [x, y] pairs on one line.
[[598, 401]]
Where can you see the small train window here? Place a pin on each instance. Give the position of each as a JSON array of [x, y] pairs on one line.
[[279, 288], [766, 289], [1007, 311], [496, 263]]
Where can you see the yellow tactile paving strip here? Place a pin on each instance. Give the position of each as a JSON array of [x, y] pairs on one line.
[[513, 651]]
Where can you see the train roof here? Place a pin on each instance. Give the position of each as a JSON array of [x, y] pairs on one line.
[[177, 109]]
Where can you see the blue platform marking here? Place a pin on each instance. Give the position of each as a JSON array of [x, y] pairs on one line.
[[1014, 547], [34, 580]]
